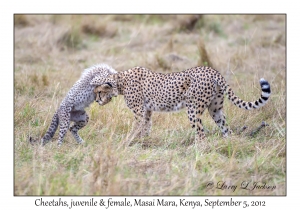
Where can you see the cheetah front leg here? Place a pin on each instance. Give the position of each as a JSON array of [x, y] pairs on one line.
[[142, 125], [146, 127], [136, 129], [80, 119]]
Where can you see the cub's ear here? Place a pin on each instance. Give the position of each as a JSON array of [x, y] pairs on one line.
[[98, 80]]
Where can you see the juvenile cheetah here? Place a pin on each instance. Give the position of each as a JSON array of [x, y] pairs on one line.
[[80, 96], [196, 88]]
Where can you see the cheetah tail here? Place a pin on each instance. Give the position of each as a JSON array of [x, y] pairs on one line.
[[51, 130], [265, 94]]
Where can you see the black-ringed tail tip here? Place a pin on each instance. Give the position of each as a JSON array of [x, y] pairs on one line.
[[265, 94], [266, 89]]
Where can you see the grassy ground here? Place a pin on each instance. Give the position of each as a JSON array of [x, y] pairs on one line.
[[52, 50]]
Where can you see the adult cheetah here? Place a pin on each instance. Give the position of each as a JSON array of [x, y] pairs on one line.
[[80, 96], [196, 88]]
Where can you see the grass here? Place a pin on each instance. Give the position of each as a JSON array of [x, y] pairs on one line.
[[20, 20], [52, 50]]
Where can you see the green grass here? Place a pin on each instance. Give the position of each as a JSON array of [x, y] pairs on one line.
[[49, 60]]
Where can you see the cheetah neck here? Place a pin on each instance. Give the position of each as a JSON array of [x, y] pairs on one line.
[[120, 83]]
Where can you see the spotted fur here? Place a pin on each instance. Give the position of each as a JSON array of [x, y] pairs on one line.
[[195, 88], [80, 96]]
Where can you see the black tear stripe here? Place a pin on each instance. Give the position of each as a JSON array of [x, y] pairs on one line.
[[100, 96]]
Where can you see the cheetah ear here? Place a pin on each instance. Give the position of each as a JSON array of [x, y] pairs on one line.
[[106, 86], [109, 84]]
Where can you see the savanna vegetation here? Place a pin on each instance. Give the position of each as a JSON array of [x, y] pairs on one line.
[[50, 53]]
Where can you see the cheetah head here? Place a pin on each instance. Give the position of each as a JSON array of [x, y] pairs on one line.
[[105, 90]]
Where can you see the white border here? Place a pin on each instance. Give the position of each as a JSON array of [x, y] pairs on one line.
[[8, 201]]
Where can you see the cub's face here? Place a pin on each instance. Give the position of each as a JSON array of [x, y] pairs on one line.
[[104, 93]]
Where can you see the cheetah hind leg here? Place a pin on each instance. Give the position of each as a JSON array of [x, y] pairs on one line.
[[215, 110], [195, 121], [80, 119], [195, 112], [64, 122]]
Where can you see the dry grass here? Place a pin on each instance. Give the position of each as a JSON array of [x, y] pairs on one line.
[[21, 20], [204, 57], [98, 28], [188, 22], [50, 54]]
